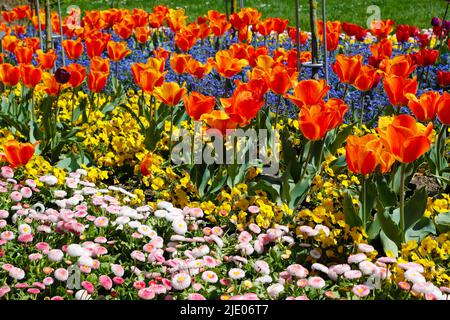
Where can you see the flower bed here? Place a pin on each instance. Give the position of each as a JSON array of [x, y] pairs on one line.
[[110, 196]]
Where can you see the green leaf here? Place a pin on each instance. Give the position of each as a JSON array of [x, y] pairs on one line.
[[299, 192], [387, 197], [351, 217], [442, 222], [374, 229], [340, 138], [389, 246], [338, 164], [420, 230], [262, 185], [415, 207], [387, 218]]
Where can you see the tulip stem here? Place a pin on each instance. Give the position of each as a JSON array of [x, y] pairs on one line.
[[345, 92], [363, 202], [171, 131], [278, 111], [402, 201], [438, 149], [362, 108], [308, 159]]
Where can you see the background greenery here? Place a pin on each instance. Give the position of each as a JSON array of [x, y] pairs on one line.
[[416, 12]]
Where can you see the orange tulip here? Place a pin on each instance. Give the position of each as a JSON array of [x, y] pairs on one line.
[[46, 60], [338, 109], [50, 85], [220, 120], [380, 51], [179, 62], [425, 107], [154, 77], [382, 28], [95, 45], [146, 165], [30, 75], [397, 87], [170, 93], [142, 34], [9, 16], [363, 153], [117, 50], [246, 101], [149, 79], [17, 154], [226, 65], [333, 41], [309, 92], [387, 159], [401, 66], [97, 81], [32, 43], [77, 74], [123, 30], [197, 104], [406, 139], [161, 53], [347, 68], [443, 109], [24, 55], [280, 81], [185, 39], [100, 64], [73, 48], [197, 69], [9, 43], [367, 79], [219, 27], [22, 12], [316, 120], [9, 74]]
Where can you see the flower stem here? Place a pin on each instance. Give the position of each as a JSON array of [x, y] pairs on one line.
[[171, 131], [278, 111], [438, 148], [402, 201], [362, 108], [363, 202]]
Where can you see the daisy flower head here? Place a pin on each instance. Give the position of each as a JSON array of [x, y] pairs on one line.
[[181, 281], [179, 226], [414, 276], [61, 274], [365, 248], [316, 282], [236, 273], [101, 222], [361, 290], [210, 276], [297, 270]]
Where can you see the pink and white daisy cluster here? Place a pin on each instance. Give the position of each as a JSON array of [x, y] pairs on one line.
[[81, 241]]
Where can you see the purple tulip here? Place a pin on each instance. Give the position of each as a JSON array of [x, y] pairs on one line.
[[436, 22], [62, 76], [446, 25]]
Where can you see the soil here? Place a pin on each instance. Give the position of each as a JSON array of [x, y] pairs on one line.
[[430, 183]]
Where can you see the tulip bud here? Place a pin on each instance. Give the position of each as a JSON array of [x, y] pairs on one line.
[[436, 22], [446, 25]]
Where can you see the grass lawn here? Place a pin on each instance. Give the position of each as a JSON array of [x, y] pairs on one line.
[[417, 12]]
